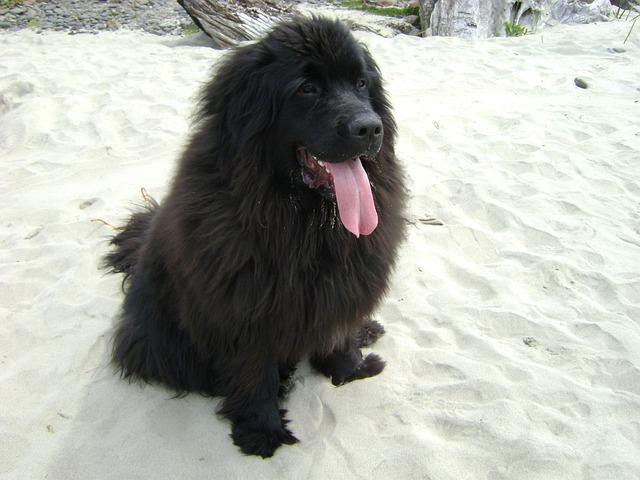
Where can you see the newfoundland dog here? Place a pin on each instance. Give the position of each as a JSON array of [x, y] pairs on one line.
[[277, 237]]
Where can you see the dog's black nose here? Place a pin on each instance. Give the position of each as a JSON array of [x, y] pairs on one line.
[[365, 127]]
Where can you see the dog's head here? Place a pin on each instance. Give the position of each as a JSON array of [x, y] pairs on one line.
[[307, 103]]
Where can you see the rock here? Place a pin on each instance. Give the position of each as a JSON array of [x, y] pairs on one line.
[[486, 18], [426, 10], [581, 11], [580, 83], [412, 20], [464, 18]]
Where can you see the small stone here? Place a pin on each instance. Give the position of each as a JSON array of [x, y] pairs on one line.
[[412, 19], [5, 25], [580, 83]]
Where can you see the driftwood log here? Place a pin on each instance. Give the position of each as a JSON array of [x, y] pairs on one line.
[[229, 22]]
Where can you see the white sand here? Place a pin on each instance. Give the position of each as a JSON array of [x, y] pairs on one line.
[[537, 183]]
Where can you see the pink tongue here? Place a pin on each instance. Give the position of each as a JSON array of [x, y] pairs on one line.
[[355, 200]]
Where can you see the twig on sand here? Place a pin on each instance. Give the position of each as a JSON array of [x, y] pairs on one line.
[[149, 201], [104, 222]]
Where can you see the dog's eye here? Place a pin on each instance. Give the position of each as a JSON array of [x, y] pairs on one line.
[[308, 89], [362, 83]]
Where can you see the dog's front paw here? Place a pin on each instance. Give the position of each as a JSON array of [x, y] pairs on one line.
[[256, 439], [347, 366], [371, 366]]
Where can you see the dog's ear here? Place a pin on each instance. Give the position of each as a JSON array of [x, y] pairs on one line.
[[241, 100]]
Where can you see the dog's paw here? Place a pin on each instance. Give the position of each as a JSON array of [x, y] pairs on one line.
[[373, 364], [370, 366], [370, 332], [258, 440]]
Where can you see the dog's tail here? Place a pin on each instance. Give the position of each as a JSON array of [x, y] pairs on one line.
[[124, 257]]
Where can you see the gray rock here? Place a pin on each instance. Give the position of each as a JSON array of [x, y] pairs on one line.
[[486, 18], [580, 83]]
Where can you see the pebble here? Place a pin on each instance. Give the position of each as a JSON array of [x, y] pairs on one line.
[[159, 17], [580, 83]]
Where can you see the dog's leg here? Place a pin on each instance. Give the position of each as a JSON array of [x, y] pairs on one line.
[[346, 364], [258, 424], [286, 378]]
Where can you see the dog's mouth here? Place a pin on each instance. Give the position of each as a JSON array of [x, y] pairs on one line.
[[315, 174], [348, 183]]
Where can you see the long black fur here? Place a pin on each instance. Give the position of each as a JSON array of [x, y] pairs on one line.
[[244, 269]]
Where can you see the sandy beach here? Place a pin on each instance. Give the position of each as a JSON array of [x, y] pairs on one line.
[[513, 321]]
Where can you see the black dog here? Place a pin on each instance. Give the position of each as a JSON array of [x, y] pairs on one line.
[[278, 236]]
